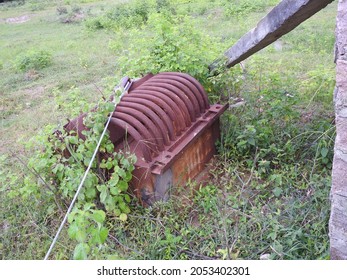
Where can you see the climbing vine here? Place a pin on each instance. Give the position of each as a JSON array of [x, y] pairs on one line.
[[61, 162]]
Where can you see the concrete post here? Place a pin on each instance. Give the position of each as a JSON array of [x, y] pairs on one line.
[[338, 195]]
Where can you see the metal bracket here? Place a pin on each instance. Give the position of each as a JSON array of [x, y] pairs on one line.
[[124, 85]]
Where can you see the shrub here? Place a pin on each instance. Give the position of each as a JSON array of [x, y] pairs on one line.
[[61, 10], [76, 9], [174, 45], [61, 159], [122, 16], [11, 3], [244, 7], [33, 59], [164, 6]]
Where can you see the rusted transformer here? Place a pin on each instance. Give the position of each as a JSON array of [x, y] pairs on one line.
[[167, 121]]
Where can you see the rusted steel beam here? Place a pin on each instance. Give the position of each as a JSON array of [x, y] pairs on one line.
[[283, 18]]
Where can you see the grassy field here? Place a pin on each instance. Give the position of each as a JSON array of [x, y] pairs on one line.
[[269, 189]]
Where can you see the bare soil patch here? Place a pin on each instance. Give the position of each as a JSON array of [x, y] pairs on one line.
[[20, 19]]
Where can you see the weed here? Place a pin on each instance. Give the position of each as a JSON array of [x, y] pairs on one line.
[[11, 4], [72, 103], [123, 16], [86, 226], [61, 164], [33, 60], [163, 6], [61, 10], [74, 16], [174, 45], [37, 7], [241, 8], [76, 9]]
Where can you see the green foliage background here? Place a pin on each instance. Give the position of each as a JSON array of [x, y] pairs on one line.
[[268, 196]]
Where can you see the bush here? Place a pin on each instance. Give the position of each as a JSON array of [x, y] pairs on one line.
[[164, 5], [123, 16], [61, 10], [241, 8], [174, 44], [61, 159], [12, 3], [76, 9], [33, 59]]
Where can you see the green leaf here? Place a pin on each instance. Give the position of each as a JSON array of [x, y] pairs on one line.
[[103, 234], [123, 217], [81, 235], [109, 148], [94, 236], [99, 216], [71, 216], [122, 173], [90, 192], [125, 162], [251, 141], [324, 152], [81, 252], [115, 190], [123, 186], [57, 168], [277, 247], [86, 161], [126, 210], [88, 206], [72, 231], [73, 139], [103, 196], [109, 204], [122, 206], [128, 176], [127, 198], [272, 235], [113, 257], [110, 107], [114, 180], [242, 143], [101, 188], [117, 211], [277, 191], [109, 165]]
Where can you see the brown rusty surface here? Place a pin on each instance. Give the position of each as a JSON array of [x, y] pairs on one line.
[[156, 109], [185, 158], [167, 121], [181, 105], [192, 81], [173, 113]]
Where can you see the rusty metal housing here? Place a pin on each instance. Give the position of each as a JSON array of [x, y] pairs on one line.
[[167, 121]]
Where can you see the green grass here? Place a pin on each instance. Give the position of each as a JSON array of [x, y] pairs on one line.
[[268, 194], [79, 58]]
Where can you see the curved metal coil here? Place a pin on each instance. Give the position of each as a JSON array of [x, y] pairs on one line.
[[159, 109]]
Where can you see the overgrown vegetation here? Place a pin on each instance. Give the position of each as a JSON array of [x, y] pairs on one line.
[[268, 193], [33, 60]]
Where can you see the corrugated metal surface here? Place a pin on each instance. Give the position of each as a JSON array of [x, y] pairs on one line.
[[167, 121]]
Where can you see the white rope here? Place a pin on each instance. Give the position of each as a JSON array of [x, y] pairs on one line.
[[125, 90]]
